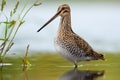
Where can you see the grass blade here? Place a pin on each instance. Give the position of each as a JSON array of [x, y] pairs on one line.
[[3, 4], [12, 23], [37, 4], [27, 50], [6, 31], [2, 39], [25, 61], [9, 47], [16, 6]]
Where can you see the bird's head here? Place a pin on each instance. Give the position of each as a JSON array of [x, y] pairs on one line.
[[63, 10]]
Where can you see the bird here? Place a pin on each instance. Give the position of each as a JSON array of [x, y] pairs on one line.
[[69, 44]]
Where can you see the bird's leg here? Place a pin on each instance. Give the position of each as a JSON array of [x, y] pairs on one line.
[[75, 65]]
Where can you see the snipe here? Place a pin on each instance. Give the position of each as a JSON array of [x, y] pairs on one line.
[[70, 45]]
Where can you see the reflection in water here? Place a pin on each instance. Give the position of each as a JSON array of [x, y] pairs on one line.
[[25, 69], [1, 74], [81, 75], [7, 73], [25, 75]]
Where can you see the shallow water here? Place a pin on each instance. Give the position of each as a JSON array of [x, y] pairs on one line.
[[54, 67]]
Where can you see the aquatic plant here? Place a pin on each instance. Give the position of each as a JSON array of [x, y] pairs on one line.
[[10, 26], [25, 61]]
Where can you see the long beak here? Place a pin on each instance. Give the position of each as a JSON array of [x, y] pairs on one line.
[[49, 21]]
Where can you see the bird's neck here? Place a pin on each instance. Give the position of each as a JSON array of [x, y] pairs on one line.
[[65, 24]]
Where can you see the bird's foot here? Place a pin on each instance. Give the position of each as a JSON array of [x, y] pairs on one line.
[[75, 67]]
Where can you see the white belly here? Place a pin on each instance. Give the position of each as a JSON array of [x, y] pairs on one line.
[[64, 52]]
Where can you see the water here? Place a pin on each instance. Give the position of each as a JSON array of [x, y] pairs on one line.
[[54, 67], [97, 22]]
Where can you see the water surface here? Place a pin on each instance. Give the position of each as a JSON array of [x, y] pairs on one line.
[[54, 67]]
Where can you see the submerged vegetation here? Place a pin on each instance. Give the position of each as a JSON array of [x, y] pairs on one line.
[[10, 26]]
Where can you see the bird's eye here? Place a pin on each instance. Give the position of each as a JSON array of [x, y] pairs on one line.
[[63, 8]]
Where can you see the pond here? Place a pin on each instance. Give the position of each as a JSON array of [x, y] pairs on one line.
[[54, 67]]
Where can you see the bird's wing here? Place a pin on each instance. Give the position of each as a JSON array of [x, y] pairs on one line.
[[87, 49], [82, 44]]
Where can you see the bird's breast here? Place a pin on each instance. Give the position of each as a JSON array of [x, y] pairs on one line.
[[60, 47]]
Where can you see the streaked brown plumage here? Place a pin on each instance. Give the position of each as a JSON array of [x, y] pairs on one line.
[[70, 45]]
